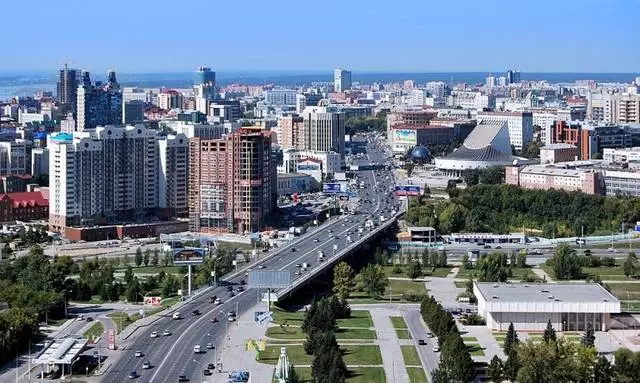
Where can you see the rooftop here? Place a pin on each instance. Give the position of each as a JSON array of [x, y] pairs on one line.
[[559, 146], [61, 351], [549, 292]]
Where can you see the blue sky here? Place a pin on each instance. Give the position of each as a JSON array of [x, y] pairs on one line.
[[371, 35]]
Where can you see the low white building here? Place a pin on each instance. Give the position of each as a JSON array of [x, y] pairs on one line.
[[569, 306]]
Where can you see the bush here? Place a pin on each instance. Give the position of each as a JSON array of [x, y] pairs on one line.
[[473, 320], [412, 296]]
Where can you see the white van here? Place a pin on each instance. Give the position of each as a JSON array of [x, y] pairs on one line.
[[197, 349]]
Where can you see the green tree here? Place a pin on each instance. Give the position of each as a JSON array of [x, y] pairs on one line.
[[455, 356], [511, 365], [155, 258], [146, 257], [138, 258], [466, 262], [494, 371], [521, 260], [566, 263], [167, 259], [414, 269], [327, 365], [452, 219], [491, 268], [343, 280], [372, 280], [511, 339], [549, 334], [559, 361], [133, 290], [293, 376], [588, 338], [630, 265], [128, 275], [602, 371]]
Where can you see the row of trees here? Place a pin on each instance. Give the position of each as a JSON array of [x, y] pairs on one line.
[[495, 267], [455, 365], [557, 360], [360, 124], [500, 208], [319, 326]]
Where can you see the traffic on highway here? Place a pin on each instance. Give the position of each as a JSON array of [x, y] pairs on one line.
[[186, 344]]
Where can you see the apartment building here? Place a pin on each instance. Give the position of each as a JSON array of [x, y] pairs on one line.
[[173, 161], [232, 182], [520, 125], [324, 128], [170, 99], [551, 177], [14, 158], [619, 108], [291, 132]]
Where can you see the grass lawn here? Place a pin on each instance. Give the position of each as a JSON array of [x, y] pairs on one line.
[[359, 318], [620, 290], [353, 355], [362, 355], [416, 375], [366, 375], [469, 339], [410, 356], [475, 349], [293, 318], [403, 334], [630, 306], [427, 272], [94, 331], [169, 301], [121, 319], [398, 322], [517, 273], [401, 286], [278, 332], [460, 284], [155, 269]]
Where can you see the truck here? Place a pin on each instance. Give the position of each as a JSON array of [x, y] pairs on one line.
[[197, 349], [382, 218], [305, 265], [369, 224], [297, 230], [348, 238]]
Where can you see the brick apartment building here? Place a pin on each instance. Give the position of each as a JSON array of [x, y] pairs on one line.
[[25, 206]]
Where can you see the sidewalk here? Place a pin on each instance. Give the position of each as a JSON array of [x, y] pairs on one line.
[[392, 360]]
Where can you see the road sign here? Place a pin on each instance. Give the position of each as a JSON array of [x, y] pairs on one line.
[[271, 297], [269, 279], [111, 337], [331, 188]]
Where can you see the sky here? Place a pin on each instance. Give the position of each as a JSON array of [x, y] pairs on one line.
[[135, 36]]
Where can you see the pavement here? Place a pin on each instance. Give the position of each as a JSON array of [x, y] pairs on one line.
[[392, 361], [418, 330]]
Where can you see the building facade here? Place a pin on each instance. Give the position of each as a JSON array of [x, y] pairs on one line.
[[341, 80], [520, 125], [132, 112], [553, 153], [13, 158], [26, 206], [173, 173], [324, 129], [67, 87]]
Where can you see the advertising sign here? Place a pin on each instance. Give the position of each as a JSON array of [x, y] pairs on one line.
[[406, 190], [332, 188], [152, 301], [308, 166], [405, 136], [111, 338], [188, 256]]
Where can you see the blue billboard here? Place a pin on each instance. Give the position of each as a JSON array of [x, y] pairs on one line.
[[406, 190], [188, 256], [332, 188]]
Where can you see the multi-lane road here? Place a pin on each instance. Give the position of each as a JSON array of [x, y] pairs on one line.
[[173, 355]]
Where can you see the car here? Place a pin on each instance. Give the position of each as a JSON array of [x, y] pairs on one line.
[[421, 342], [242, 282], [436, 349], [138, 354], [293, 249], [330, 231], [183, 378], [487, 246], [240, 289], [211, 366], [197, 349], [80, 317], [146, 365], [154, 334], [214, 320], [612, 250], [176, 315], [231, 314], [213, 299], [133, 374], [316, 240], [231, 318], [89, 319], [206, 372], [261, 267], [210, 346], [298, 264], [217, 302], [229, 288], [297, 272], [195, 312], [166, 333], [232, 294], [429, 335], [498, 247]]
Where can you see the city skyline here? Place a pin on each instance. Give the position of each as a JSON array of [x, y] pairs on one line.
[[377, 38]]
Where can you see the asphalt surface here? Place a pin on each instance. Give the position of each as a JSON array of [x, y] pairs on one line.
[[172, 356]]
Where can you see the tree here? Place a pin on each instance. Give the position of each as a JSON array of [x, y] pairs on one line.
[[138, 258], [343, 280], [630, 265], [155, 257], [133, 290], [521, 260], [511, 339], [168, 259], [327, 365], [511, 365], [293, 376], [146, 257], [456, 358], [414, 269], [128, 275], [549, 334], [494, 371], [466, 262], [452, 219], [602, 371], [588, 338], [560, 361], [372, 280], [566, 263], [491, 268]]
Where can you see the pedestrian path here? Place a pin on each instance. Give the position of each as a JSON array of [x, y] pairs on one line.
[[392, 360]]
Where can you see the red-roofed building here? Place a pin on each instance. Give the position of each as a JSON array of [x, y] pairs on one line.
[[25, 206]]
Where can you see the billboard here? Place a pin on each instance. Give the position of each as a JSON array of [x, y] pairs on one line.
[[269, 279], [332, 188], [111, 339], [152, 301], [188, 256], [308, 166], [406, 190], [405, 136]]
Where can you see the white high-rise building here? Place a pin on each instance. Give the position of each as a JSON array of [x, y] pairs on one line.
[[520, 125], [436, 88], [173, 156], [324, 129], [341, 80], [491, 81], [418, 97]]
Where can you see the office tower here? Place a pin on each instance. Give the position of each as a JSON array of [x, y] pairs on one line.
[[324, 129], [204, 88], [520, 125], [85, 78], [173, 157], [232, 182], [513, 77], [67, 87], [39, 162], [491, 81], [341, 80], [111, 79], [132, 112], [280, 97], [170, 99], [68, 125]]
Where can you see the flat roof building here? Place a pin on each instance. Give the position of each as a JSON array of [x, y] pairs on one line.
[[569, 306]]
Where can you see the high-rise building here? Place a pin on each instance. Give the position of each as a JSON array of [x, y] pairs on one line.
[[280, 97], [513, 77], [341, 80], [67, 87], [520, 125], [291, 133], [99, 104], [39, 162], [232, 182], [132, 112], [170, 99], [324, 129], [173, 156], [13, 158], [204, 88], [491, 81]]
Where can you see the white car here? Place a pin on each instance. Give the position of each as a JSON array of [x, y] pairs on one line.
[[138, 354], [166, 333], [146, 365], [436, 349], [154, 334]]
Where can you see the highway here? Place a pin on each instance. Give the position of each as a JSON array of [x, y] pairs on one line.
[[172, 356]]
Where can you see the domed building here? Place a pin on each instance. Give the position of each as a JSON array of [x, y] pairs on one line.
[[421, 154]]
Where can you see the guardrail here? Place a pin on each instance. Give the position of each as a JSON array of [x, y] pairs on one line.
[[336, 257]]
